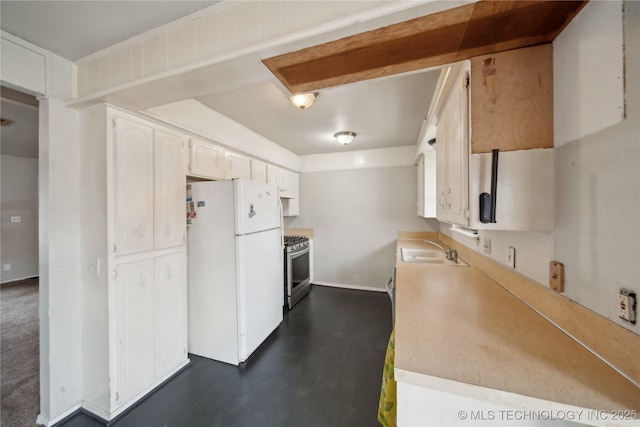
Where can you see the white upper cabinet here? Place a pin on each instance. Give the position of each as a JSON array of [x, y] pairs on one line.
[[206, 160], [273, 175], [149, 190], [288, 188], [169, 190], [237, 166], [452, 156], [258, 170], [457, 148], [426, 185], [133, 175], [288, 184]]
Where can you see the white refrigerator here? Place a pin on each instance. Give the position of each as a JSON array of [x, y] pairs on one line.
[[235, 267]]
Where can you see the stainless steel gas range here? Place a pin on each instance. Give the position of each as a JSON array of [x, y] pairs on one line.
[[297, 279]]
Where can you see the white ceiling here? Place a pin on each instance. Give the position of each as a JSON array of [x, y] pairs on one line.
[[74, 29], [384, 112]]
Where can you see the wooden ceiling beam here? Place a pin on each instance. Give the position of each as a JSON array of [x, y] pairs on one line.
[[428, 41]]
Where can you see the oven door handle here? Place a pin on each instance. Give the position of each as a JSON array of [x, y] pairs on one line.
[[296, 254]]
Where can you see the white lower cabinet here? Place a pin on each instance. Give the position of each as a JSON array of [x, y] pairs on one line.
[[135, 315], [150, 314], [171, 309]]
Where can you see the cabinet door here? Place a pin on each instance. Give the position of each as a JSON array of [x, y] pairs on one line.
[[135, 328], [171, 312], [457, 155], [258, 171], [290, 207], [420, 187], [133, 192], [441, 168], [169, 190], [288, 184], [273, 175], [237, 166], [206, 160]]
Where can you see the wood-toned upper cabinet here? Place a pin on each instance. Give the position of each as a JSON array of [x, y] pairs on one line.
[[237, 166], [206, 160], [512, 100], [133, 195], [169, 190]]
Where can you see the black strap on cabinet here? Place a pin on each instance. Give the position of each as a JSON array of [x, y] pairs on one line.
[[488, 200]]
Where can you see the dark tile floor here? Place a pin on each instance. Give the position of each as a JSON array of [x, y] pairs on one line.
[[322, 367]]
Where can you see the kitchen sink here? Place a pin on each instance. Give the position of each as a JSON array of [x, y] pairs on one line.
[[427, 256]]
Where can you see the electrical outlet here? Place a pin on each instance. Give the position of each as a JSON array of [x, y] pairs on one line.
[[7, 267], [487, 246], [627, 305], [16, 219], [511, 257]]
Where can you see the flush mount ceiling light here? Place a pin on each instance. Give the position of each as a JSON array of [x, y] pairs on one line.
[[303, 100], [345, 138]]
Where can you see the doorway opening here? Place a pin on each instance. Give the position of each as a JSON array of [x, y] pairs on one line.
[[19, 259]]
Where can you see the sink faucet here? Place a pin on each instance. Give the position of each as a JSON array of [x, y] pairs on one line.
[[452, 254]]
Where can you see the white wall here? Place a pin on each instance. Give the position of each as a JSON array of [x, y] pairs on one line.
[[355, 216], [60, 302], [597, 163], [59, 231], [19, 198]]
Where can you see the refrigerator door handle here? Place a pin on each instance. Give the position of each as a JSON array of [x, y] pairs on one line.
[[257, 232]]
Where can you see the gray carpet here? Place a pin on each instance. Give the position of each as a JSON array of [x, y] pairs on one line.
[[19, 354]]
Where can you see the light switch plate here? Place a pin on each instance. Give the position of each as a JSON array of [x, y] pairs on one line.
[[556, 276]]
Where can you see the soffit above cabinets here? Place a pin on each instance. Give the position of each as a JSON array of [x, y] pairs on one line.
[[441, 38]]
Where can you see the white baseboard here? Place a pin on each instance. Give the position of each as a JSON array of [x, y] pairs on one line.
[[356, 287], [43, 421]]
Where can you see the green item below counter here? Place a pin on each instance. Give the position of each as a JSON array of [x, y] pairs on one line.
[[387, 405]]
